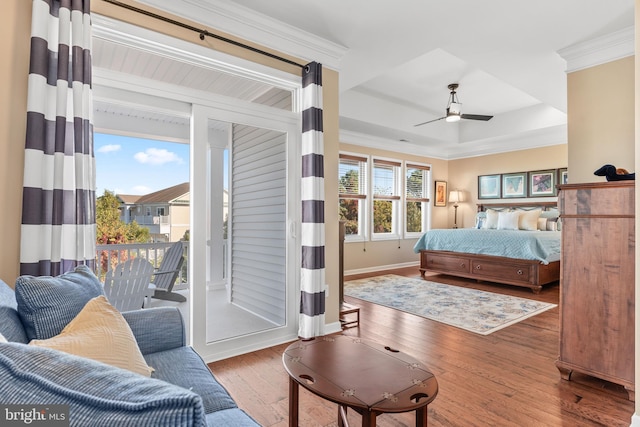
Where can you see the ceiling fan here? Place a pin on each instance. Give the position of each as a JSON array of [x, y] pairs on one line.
[[454, 113]]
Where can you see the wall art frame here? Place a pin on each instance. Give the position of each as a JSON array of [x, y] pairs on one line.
[[542, 183], [440, 198], [489, 186], [514, 185]]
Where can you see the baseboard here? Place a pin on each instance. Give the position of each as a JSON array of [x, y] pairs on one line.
[[332, 328], [381, 268]]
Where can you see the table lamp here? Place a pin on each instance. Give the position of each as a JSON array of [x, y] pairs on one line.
[[455, 196]]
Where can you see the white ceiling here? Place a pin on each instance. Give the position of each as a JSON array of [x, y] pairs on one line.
[[396, 59]]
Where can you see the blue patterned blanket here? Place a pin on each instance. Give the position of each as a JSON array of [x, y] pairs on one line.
[[543, 246]]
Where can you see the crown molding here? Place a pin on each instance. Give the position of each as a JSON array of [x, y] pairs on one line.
[[371, 141], [255, 27], [554, 135], [600, 50]]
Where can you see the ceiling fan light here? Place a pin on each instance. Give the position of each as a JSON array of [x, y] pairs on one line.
[[452, 116]]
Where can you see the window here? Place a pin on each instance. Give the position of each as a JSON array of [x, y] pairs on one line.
[[352, 189], [386, 198], [383, 199], [416, 198], [160, 211]]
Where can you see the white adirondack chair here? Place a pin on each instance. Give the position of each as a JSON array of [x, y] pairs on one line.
[[127, 286], [165, 276]]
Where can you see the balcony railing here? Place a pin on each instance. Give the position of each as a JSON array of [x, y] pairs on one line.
[[151, 220], [108, 256]]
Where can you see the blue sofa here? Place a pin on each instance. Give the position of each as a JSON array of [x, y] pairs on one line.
[[181, 392]]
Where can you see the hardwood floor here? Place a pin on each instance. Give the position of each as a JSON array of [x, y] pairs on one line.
[[507, 378]]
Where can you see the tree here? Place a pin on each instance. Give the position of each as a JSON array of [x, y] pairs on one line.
[[348, 212], [414, 208], [110, 229]]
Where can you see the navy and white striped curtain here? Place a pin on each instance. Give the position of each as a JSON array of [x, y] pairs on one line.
[[58, 206], [312, 305]]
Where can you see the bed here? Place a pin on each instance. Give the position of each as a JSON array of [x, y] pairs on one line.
[[527, 257]]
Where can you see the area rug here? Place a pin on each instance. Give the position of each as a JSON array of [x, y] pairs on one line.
[[470, 309]]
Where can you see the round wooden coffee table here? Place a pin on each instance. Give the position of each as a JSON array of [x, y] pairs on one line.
[[368, 377]]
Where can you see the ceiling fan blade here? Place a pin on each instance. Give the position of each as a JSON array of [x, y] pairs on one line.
[[430, 121], [476, 117]]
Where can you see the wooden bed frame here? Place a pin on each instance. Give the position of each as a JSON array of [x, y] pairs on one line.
[[519, 272]]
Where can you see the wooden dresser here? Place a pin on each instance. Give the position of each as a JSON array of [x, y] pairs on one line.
[[597, 281]]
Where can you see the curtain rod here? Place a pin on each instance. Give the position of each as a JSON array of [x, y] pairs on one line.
[[202, 32]]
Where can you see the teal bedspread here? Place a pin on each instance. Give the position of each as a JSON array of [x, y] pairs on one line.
[[543, 246]]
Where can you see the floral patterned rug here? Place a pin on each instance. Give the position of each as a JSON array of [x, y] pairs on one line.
[[476, 311]]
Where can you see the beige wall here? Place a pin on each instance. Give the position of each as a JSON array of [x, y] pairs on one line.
[[601, 127], [463, 174], [14, 42], [362, 256]]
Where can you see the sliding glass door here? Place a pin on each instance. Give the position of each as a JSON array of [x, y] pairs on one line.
[[244, 192]]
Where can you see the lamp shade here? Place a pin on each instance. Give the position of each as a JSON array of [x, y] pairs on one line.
[[455, 196]]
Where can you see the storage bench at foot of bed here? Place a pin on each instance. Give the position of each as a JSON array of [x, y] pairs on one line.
[[520, 272]]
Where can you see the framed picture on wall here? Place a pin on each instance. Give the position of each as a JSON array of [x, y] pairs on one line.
[[514, 185], [563, 176], [542, 183], [489, 186], [441, 194]]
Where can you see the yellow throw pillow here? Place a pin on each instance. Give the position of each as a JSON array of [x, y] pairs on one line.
[[529, 219], [99, 332]]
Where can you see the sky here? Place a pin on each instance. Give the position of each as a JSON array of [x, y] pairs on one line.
[[126, 165]]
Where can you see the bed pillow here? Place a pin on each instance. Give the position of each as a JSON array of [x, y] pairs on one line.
[[491, 220], [552, 215], [481, 219], [47, 304], [528, 220], [99, 332], [552, 224], [542, 224], [508, 220], [2, 338]]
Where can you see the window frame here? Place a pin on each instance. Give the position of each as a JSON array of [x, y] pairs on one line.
[[362, 198], [425, 200], [395, 198]]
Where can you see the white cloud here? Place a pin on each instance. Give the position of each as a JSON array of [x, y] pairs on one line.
[[156, 156], [109, 148]]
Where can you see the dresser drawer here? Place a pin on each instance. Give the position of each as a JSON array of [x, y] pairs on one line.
[[447, 263], [503, 271]]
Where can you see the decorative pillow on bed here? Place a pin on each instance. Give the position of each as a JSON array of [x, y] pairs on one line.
[[542, 224], [552, 215], [492, 219], [508, 220], [529, 219], [481, 219]]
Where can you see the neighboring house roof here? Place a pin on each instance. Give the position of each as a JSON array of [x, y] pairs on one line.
[[176, 194], [128, 199]]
